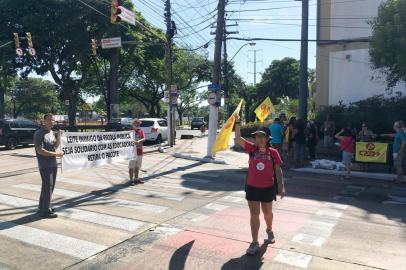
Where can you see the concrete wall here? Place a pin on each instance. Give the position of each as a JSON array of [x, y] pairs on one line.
[[351, 77]]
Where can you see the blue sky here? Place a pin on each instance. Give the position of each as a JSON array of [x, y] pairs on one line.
[[276, 19]]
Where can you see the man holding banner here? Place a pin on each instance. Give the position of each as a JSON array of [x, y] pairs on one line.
[[45, 149], [134, 165]]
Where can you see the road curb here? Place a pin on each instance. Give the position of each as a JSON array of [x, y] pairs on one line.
[[205, 159]]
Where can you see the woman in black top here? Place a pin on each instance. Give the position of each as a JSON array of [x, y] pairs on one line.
[[312, 139], [299, 139]]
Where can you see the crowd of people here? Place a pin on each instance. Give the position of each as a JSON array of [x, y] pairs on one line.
[[297, 141]]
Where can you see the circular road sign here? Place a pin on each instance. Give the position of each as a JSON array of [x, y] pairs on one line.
[[19, 52], [32, 51]]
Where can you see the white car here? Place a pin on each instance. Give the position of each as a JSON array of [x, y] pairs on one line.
[[155, 129]]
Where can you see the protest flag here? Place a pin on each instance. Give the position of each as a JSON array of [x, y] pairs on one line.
[[264, 109], [223, 137]]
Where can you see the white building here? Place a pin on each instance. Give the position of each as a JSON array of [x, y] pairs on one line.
[[344, 72]]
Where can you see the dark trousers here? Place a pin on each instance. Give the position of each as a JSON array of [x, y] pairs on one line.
[[48, 177], [312, 151]]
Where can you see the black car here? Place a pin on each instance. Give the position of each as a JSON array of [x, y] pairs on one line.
[[197, 122], [14, 132]]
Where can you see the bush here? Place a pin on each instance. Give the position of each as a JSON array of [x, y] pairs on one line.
[[249, 128], [378, 111]]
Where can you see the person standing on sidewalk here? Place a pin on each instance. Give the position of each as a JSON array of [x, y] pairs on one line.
[[134, 165], [264, 182], [45, 148], [347, 145], [399, 149], [276, 130], [312, 139]]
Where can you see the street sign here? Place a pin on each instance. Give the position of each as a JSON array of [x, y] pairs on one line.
[[166, 97], [19, 52], [32, 51], [214, 87], [127, 15], [212, 98], [108, 43]]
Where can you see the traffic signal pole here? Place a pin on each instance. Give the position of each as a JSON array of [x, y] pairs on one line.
[[214, 109], [303, 81]]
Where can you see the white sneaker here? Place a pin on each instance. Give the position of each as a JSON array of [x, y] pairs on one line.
[[253, 248]]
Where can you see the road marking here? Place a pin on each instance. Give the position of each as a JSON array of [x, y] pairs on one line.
[[338, 206], [293, 258], [329, 212], [142, 192], [63, 244], [77, 214], [216, 207], [309, 239], [232, 199], [195, 217], [394, 202], [92, 197]]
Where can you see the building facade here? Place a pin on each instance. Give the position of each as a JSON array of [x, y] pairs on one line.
[[343, 69]]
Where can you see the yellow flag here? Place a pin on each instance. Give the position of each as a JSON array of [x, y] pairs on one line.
[[264, 109], [223, 137]]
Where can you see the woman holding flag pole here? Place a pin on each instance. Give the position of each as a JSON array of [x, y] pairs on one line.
[[264, 182]]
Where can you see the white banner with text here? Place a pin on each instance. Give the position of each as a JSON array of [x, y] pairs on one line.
[[92, 149]]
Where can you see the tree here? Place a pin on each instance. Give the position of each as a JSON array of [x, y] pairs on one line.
[[388, 41], [281, 78], [29, 96]]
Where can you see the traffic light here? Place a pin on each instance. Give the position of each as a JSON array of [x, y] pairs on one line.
[[115, 11], [93, 47], [16, 40], [29, 39]]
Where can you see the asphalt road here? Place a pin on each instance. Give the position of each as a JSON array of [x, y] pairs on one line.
[[192, 215]]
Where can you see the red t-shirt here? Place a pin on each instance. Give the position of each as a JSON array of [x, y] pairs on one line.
[[260, 170], [347, 144], [138, 135]]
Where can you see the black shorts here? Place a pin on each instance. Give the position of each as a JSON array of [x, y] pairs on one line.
[[265, 195]]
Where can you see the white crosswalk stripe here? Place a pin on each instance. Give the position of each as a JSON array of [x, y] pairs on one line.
[[63, 244], [90, 197], [77, 214], [141, 192]]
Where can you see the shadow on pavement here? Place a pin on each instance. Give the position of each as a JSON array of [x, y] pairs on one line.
[[247, 262], [179, 257], [215, 180]]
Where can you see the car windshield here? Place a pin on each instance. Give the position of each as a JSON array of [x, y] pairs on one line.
[[198, 119], [145, 123]]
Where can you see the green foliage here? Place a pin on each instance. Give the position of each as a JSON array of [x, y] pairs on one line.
[[388, 42], [379, 112], [30, 96], [281, 78], [249, 128]]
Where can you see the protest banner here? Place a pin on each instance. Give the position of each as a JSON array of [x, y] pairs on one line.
[[85, 150], [370, 152]]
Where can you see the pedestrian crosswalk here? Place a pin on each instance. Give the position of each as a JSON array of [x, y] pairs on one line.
[[98, 201]]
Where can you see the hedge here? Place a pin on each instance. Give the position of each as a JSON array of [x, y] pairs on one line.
[[378, 111], [249, 128]]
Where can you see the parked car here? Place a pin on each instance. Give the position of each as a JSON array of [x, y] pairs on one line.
[[197, 122], [14, 132], [155, 129]]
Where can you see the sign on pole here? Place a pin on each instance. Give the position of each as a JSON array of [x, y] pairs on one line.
[[166, 97], [127, 15], [174, 94], [108, 43]]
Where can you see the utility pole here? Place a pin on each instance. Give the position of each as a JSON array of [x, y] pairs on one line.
[[214, 110], [303, 84], [168, 71], [225, 71], [255, 65]]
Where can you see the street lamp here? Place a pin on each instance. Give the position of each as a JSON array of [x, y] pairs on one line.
[[252, 44]]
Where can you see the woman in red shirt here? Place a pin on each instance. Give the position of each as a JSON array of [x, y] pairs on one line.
[[347, 147], [264, 182]]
